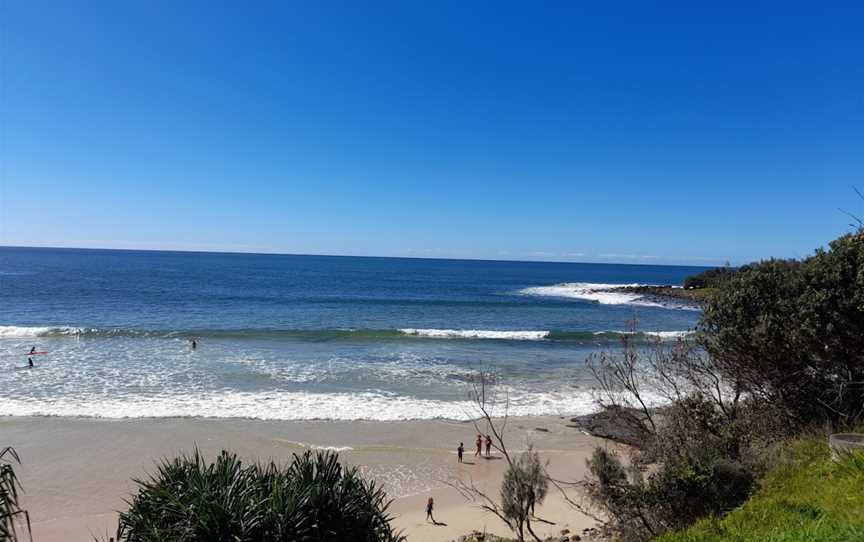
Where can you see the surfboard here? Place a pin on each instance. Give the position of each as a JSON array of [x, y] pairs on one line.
[[35, 353]]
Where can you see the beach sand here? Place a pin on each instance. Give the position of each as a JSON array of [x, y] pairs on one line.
[[77, 472]]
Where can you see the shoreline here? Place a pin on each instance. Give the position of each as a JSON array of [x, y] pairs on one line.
[[76, 472]]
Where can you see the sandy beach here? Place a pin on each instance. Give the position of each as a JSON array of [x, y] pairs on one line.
[[77, 472]]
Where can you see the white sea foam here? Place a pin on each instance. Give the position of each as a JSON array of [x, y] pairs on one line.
[[659, 334], [604, 294], [590, 291], [477, 334], [37, 331], [668, 334], [328, 448], [280, 405]]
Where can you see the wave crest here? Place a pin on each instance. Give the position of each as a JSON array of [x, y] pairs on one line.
[[603, 294], [477, 334], [38, 331]]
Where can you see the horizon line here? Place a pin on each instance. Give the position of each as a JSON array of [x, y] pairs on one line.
[[253, 253]]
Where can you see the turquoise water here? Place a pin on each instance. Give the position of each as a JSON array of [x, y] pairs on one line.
[[308, 337]]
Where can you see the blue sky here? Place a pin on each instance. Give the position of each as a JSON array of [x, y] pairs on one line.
[[686, 133]]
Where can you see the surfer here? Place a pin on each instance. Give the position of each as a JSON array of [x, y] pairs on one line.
[[194, 344], [30, 358]]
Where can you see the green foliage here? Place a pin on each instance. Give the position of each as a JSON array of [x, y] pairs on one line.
[[712, 278], [792, 332], [525, 484], [10, 510], [313, 499], [806, 499], [677, 494]]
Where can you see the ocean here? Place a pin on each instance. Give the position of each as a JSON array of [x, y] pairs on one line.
[[287, 337]]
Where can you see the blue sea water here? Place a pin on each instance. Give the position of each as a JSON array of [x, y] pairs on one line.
[[308, 337]]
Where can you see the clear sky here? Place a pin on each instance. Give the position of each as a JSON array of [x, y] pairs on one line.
[[694, 132]]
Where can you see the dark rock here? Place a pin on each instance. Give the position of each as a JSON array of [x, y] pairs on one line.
[[543, 429], [623, 425]]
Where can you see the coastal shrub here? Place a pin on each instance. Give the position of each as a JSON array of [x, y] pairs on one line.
[[672, 497], [702, 450], [525, 484], [10, 510], [314, 498], [791, 333], [711, 278]]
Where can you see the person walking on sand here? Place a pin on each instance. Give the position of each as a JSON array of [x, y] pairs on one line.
[[429, 505], [460, 450], [488, 444], [479, 445]]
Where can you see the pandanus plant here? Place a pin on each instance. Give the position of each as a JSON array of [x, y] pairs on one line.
[[314, 498], [11, 514]]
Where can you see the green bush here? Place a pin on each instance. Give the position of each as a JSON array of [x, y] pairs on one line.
[[674, 496], [314, 498], [792, 332], [712, 278]]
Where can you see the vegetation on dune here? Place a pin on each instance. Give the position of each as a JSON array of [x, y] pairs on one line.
[[807, 498], [314, 498], [791, 333], [780, 349], [698, 456]]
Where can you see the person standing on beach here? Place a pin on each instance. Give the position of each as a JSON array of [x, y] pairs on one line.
[[429, 505], [488, 444], [479, 445], [460, 450]]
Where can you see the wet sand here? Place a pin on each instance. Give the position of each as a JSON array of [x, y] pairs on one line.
[[77, 472]]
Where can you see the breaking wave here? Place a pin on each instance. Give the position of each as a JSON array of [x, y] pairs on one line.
[[324, 335], [604, 294], [477, 334], [336, 334], [39, 331]]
